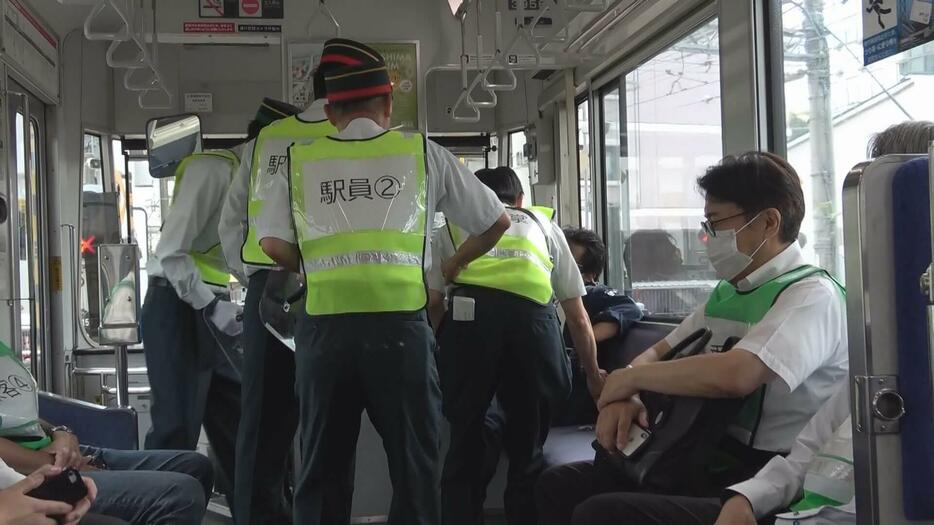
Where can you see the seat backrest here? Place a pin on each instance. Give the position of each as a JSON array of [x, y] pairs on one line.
[[95, 425], [640, 336]]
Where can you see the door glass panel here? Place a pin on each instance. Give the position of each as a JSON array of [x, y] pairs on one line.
[[583, 165], [35, 326], [617, 198], [146, 202], [100, 224], [673, 134], [518, 162], [22, 236]]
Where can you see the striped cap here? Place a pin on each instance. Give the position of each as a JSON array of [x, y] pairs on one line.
[[341, 52], [358, 82], [272, 110]]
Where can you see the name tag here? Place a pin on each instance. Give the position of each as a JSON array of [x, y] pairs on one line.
[[464, 309]]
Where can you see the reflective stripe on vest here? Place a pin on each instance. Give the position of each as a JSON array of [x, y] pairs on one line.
[[519, 263], [270, 155], [211, 264], [360, 215], [731, 313]]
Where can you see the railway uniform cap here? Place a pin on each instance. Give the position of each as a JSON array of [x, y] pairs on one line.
[[272, 110], [359, 82], [340, 52]]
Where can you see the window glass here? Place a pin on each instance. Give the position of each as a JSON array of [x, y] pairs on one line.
[[583, 165], [834, 105], [672, 134], [617, 197], [518, 161]]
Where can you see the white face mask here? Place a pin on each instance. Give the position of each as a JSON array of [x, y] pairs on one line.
[[724, 255]]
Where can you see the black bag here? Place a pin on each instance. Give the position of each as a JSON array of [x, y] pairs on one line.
[[685, 432]]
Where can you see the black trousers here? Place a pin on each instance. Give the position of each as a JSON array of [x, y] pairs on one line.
[[192, 382], [385, 364], [589, 493], [269, 418], [513, 350]]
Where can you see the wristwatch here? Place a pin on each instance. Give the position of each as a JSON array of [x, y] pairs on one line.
[[61, 428]]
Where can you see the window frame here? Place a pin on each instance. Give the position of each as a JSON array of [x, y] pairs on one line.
[[585, 99]]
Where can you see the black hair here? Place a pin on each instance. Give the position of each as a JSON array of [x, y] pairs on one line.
[[503, 181], [594, 259], [756, 181]]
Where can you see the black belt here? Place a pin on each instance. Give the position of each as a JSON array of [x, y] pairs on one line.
[[159, 281]]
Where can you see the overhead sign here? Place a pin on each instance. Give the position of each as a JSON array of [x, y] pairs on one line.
[[893, 26], [32, 45], [240, 8], [209, 27], [199, 102]]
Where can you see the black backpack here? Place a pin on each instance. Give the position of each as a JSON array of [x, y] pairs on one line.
[[685, 433]]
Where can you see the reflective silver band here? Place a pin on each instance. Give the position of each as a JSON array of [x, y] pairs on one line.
[[507, 253], [368, 257]]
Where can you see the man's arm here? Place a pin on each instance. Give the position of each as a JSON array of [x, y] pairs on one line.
[[435, 309], [474, 247], [200, 195], [615, 318], [284, 253], [578, 323], [22, 459], [233, 223]]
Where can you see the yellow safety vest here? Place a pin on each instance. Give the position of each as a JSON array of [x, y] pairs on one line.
[[211, 264], [361, 220], [269, 156], [520, 262]]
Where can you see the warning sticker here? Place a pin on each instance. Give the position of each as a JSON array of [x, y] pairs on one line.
[[209, 27]]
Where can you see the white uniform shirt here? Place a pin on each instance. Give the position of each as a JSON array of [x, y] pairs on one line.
[[234, 218], [452, 189], [191, 225], [8, 476], [566, 277], [781, 481], [802, 339]]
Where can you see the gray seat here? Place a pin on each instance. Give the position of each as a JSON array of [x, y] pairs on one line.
[[567, 444]]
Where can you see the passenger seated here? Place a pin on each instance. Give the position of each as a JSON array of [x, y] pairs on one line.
[[17, 508], [141, 487], [789, 319]]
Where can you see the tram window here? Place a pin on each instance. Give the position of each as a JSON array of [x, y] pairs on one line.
[[833, 106], [665, 135], [518, 161], [584, 173]]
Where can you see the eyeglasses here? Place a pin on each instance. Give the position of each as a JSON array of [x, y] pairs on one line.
[[708, 226]]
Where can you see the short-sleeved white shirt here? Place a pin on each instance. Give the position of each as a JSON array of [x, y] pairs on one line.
[[452, 190], [566, 277], [802, 340], [8, 476]]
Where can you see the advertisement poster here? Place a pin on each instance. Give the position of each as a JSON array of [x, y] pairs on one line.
[[893, 26], [401, 59], [240, 8]]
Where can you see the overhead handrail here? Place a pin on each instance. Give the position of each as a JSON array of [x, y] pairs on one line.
[[141, 60], [473, 118], [133, 84], [499, 57], [323, 8], [481, 104], [121, 34], [584, 7], [166, 103]]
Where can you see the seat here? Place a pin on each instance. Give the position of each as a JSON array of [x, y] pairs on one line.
[[572, 441], [95, 425]]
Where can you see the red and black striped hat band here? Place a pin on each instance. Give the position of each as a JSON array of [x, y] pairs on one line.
[[358, 82], [348, 53]]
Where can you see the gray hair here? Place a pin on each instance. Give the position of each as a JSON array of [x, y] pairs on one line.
[[913, 137]]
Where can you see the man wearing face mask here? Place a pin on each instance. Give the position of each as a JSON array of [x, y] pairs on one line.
[[788, 317]]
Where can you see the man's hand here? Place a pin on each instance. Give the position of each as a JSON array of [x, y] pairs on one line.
[[595, 383], [65, 451], [16, 508], [736, 511], [451, 268], [226, 316], [614, 421], [618, 387]]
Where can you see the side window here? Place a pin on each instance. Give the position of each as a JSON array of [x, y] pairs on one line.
[[585, 177], [661, 131]]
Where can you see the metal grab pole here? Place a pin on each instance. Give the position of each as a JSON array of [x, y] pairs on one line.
[[122, 373]]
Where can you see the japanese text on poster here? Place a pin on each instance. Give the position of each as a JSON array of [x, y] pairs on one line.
[[893, 26]]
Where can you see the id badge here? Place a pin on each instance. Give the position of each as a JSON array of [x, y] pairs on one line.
[[463, 308]]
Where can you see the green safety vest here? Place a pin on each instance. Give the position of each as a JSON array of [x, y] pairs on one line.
[[269, 156], [731, 313], [19, 403], [360, 210], [210, 263], [520, 262]]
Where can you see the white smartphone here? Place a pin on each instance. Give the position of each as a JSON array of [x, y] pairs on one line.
[[638, 437]]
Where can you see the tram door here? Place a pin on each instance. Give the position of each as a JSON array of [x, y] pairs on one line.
[[26, 300]]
